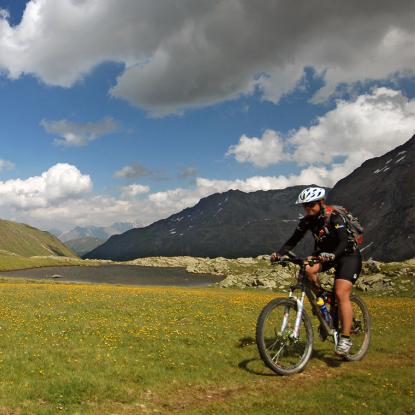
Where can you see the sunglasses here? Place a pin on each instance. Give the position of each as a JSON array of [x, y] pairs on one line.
[[309, 204]]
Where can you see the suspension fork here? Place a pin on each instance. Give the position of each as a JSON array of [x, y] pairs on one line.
[[300, 308]]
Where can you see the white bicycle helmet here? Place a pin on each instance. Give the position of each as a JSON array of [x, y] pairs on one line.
[[311, 194]]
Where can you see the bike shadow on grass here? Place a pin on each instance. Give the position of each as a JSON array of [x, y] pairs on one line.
[[329, 358], [252, 365], [248, 366]]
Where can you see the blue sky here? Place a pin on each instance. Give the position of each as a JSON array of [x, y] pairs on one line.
[[137, 113]]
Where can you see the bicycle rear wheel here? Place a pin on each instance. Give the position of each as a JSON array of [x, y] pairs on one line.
[[278, 348], [361, 329]]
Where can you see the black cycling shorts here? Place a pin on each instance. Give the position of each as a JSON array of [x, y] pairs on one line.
[[347, 267]]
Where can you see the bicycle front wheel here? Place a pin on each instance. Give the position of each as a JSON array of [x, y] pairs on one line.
[[279, 349], [361, 329]]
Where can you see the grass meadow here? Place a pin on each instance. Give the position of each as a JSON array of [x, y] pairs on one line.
[[98, 349]]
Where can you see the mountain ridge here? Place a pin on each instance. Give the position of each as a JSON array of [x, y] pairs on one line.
[[381, 192], [211, 227], [237, 224]]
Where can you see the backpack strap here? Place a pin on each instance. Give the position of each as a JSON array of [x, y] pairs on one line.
[[328, 210]]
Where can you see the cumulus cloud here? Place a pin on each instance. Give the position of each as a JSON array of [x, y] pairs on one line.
[[6, 165], [133, 190], [262, 152], [189, 53], [367, 127], [354, 131], [60, 182], [78, 134], [99, 210]]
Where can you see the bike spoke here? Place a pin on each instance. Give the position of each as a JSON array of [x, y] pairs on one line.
[[277, 355], [272, 346], [282, 350]]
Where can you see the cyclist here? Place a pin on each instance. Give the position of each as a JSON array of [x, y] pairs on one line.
[[335, 248]]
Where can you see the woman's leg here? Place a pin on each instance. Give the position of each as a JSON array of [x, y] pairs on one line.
[[342, 289]]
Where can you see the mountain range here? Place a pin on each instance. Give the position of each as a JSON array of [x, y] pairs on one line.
[[100, 232], [234, 224], [229, 224]]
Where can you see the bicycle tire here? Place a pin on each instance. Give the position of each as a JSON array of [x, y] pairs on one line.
[[296, 353], [361, 330]]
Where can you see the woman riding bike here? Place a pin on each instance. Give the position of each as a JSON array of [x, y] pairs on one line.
[[335, 248]]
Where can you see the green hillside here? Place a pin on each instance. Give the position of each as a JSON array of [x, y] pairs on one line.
[[27, 241]]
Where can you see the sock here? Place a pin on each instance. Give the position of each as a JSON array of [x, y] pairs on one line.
[[345, 337]]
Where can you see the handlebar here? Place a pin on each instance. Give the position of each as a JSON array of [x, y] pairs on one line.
[[290, 257]]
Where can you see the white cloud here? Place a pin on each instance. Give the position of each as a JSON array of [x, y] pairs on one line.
[[60, 182], [190, 53], [6, 165], [133, 190], [367, 127], [355, 131], [79, 134], [262, 152], [99, 210]]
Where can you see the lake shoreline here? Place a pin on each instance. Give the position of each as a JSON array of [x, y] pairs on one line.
[[117, 275]]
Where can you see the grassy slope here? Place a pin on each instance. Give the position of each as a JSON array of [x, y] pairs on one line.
[[26, 241], [10, 262], [95, 349]]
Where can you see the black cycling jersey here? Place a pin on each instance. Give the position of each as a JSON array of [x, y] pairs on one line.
[[330, 237]]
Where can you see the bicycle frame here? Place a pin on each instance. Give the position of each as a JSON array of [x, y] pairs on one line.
[[304, 286]]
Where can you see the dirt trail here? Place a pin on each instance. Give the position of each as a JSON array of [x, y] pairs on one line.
[[201, 397]]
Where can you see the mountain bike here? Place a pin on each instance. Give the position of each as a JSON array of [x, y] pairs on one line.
[[284, 334]]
